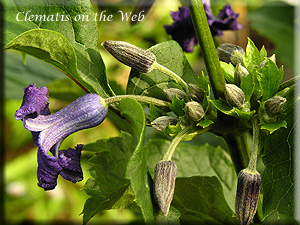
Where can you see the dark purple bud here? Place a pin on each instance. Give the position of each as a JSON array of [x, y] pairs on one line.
[[247, 195], [164, 184]]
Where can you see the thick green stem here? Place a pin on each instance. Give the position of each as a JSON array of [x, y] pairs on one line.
[[139, 98], [238, 151], [255, 146], [208, 48], [171, 74]]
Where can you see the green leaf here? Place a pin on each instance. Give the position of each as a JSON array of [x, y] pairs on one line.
[[275, 21], [171, 219], [170, 55], [222, 106], [18, 75], [200, 200], [278, 175], [228, 71], [274, 126], [155, 112], [89, 70], [137, 170], [177, 106], [205, 123], [269, 78], [194, 160], [65, 89], [253, 58], [107, 172], [248, 86], [46, 45]]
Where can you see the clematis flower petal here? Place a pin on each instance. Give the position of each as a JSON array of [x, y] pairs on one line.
[[85, 112], [48, 170], [35, 102], [50, 130], [69, 160], [228, 19], [182, 29]]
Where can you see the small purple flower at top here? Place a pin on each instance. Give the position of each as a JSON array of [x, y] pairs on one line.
[[49, 130], [182, 29]]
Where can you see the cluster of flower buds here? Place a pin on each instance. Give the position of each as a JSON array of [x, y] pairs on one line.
[[164, 184], [143, 61], [247, 195]]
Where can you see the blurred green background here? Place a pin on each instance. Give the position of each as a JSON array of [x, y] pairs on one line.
[[266, 22]]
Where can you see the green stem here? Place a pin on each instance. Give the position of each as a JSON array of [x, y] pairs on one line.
[[255, 146], [139, 98], [289, 83], [208, 48], [238, 150], [178, 138], [171, 74]]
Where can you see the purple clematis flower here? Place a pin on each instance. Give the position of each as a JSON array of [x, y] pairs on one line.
[[182, 29], [49, 130]]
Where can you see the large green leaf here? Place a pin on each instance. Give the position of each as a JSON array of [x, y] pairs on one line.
[[84, 62], [17, 75], [107, 172], [192, 160], [170, 55], [200, 200], [278, 176], [275, 21], [137, 170]]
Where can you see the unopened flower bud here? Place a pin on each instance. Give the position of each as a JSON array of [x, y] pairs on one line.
[[273, 58], [194, 110], [162, 122], [195, 93], [164, 184], [230, 53], [240, 72], [275, 105], [247, 195], [131, 55], [171, 92], [234, 95]]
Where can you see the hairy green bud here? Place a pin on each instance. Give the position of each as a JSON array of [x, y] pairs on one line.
[[161, 123], [171, 92], [240, 72], [274, 106], [194, 110], [195, 93], [234, 95], [164, 184], [131, 55], [230, 53], [247, 195]]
